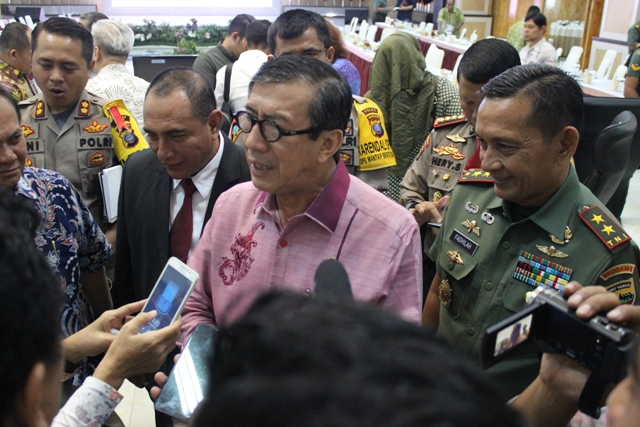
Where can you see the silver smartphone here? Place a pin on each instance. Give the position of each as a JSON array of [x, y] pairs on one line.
[[170, 294], [188, 382]]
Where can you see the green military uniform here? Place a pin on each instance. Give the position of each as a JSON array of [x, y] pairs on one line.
[[634, 68], [440, 164], [450, 18], [81, 149], [490, 253], [633, 36]]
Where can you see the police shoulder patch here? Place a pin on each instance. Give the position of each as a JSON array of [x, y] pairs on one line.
[[476, 175], [605, 228], [449, 120]]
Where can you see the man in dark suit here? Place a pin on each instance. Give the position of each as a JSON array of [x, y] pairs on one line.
[[183, 130]]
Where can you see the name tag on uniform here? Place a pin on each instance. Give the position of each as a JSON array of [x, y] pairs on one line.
[[465, 243]]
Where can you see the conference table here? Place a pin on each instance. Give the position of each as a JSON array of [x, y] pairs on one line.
[[602, 87]]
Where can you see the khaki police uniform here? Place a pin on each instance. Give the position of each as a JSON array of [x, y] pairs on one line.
[[81, 149], [439, 165], [488, 257]]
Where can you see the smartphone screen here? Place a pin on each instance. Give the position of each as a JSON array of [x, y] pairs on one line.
[[167, 298], [188, 382]]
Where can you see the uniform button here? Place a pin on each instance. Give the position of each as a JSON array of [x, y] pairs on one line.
[[450, 266], [506, 245], [283, 243], [471, 331], [488, 286], [306, 293], [446, 184]]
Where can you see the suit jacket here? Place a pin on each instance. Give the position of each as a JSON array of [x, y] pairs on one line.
[[142, 244]]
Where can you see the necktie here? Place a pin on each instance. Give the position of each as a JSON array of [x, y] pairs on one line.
[[182, 228]]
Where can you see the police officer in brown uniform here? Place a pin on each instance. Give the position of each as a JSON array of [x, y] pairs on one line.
[[451, 147], [65, 127]]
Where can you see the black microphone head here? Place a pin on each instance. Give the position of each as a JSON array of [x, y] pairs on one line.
[[331, 281]]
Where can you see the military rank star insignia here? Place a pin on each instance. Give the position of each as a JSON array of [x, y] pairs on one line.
[[472, 227], [551, 251]]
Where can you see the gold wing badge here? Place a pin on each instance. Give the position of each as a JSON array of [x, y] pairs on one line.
[[472, 227], [551, 251]]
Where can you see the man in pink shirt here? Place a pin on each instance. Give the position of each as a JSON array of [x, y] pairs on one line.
[[301, 207]]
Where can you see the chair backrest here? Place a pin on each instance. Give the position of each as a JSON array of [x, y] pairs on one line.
[[558, 53], [364, 27], [422, 25], [473, 37], [434, 59], [354, 25], [620, 72], [454, 73], [606, 64], [611, 156], [371, 33], [429, 27], [463, 33], [573, 57], [386, 33]]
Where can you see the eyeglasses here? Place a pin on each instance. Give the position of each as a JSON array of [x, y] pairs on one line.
[[269, 129], [313, 53]]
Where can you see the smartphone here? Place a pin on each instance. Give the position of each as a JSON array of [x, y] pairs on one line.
[[170, 294], [188, 382]]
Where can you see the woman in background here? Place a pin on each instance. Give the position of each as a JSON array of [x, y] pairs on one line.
[[340, 62]]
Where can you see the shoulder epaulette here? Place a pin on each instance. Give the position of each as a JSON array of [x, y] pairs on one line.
[[607, 230], [29, 101], [449, 120], [476, 175]]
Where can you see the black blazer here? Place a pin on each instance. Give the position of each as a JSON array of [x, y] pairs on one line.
[[142, 244]]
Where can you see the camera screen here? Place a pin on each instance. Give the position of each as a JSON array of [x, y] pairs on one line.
[[166, 299], [513, 335]]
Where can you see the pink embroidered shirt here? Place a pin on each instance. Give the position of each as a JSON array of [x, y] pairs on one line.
[[244, 250]]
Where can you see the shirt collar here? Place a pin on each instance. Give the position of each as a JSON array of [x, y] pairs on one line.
[[326, 208], [22, 186], [113, 68], [554, 215], [203, 180], [253, 54]]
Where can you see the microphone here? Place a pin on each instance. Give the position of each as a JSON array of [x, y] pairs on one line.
[[331, 282]]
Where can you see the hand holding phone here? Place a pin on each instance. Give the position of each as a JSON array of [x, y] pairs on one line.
[[170, 294]]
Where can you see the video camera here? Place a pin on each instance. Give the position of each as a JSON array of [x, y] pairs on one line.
[[598, 344]]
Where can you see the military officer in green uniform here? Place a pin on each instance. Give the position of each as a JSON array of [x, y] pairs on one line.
[[522, 220], [632, 78], [451, 146]]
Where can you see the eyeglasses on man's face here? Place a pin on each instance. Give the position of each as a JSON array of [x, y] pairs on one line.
[[269, 129]]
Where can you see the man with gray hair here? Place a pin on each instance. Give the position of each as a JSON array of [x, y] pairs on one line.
[[113, 41]]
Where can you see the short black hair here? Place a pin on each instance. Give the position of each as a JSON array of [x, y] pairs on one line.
[[538, 18], [68, 28], [6, 95], [14, 36], [92, 18], [533, 9], [330, 108], [189, 81], [486, 59], [33, 302], [293, 23], [239, 24], [257, 32], [293, 360], [555, 96]]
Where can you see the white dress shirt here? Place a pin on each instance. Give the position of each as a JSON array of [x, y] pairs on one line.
[[243, 71], [203, 181]]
